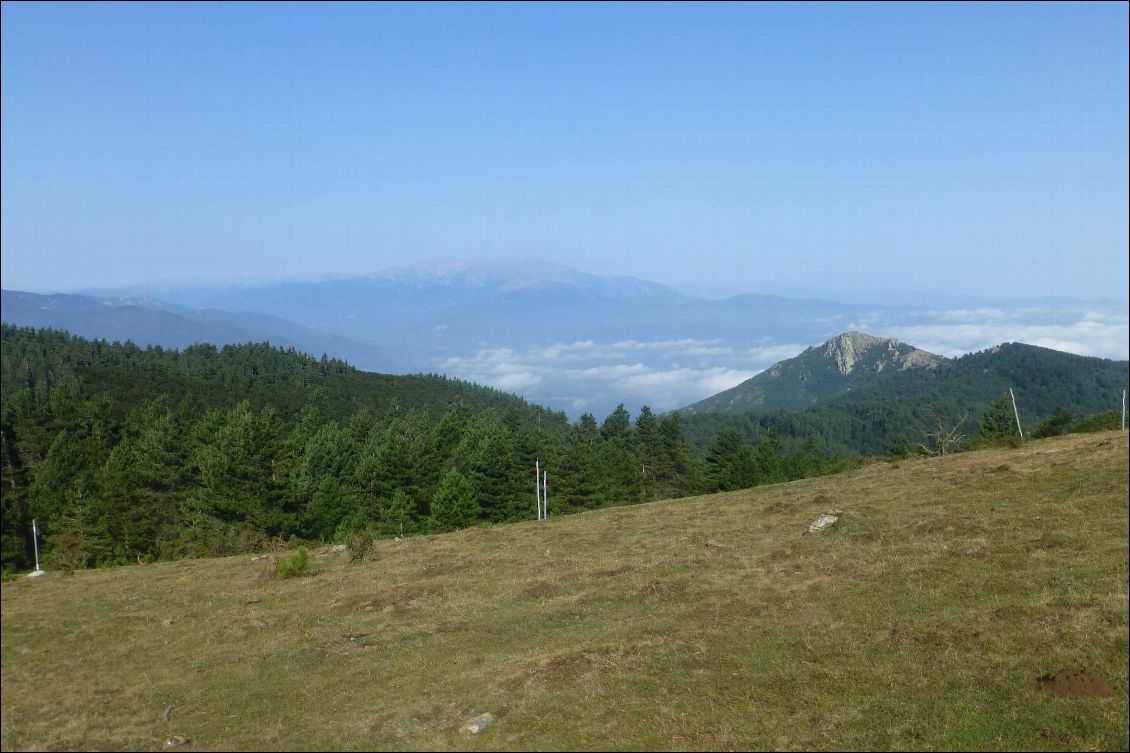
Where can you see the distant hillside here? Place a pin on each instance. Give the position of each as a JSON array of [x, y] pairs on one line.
[[148, 321], [845, 362], [282, 379], [903, 405]]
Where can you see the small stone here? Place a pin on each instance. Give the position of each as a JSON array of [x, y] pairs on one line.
[[167, 623], [175, 740], [339, 548], [827, 519], [477, 724]]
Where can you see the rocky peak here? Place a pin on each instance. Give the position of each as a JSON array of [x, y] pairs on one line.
[[848, 349]]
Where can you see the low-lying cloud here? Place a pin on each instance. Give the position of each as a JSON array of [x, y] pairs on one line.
[[586, 375], [1092, 333]]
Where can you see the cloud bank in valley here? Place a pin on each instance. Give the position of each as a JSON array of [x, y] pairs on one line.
[[589, 376], [1089, 333]]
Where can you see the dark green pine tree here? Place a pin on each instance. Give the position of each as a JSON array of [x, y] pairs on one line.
[[450, 430], [1056, 424], [142, 485], [648, 453], [999, 422], [395, 514], [235, 460], [489, 458], [454, 505], [327, 454], [331, 503], [399, 462], [678, 464], [807, 460], [769, 459], [579, 481], [729, 463], [621, 481]]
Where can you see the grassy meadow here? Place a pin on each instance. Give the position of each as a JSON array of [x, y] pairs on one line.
[[921, 621]]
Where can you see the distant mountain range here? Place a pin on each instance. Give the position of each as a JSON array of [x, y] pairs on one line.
[[432, 311], [565, 339]]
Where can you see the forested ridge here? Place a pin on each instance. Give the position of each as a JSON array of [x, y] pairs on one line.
[[898, 409], [124, 453]]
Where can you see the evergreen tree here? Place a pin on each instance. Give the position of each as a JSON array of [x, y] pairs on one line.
[[579, 481], [330, 504], [394, 515], [648, 453], [1057, 424], [769, 459], [454, 505], [620, 480], [490, 460], [678, 464], [142, 485], [729, 463], [807, 460], [999, 422]]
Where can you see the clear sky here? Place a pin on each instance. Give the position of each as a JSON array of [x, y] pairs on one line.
[[957, 148]]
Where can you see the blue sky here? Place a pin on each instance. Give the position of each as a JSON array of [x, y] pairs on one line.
[[804, 149]]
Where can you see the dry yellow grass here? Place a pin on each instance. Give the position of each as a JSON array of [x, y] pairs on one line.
[[921, 621]]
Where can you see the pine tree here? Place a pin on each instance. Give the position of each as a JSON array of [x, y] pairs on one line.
[[648, 453], [729, 463], [999, 421], [678, 463], [394, 515], [769, 459], [578, 483], [1056, 424], [620, 480], [454, 505], [330, 504]]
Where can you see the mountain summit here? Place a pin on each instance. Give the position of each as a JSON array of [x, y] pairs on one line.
[[843, 363]]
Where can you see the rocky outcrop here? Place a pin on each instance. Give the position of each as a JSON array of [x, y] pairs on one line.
[[850, 348]]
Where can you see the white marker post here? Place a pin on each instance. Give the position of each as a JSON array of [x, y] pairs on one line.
[[35, 542], [537, 486], [1016, 412], [1124, 410]]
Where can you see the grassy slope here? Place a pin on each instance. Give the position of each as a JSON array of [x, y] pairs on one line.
[[920, 622]]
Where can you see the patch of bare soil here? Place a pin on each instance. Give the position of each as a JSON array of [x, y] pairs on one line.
[[1074, 683], [541, 590]]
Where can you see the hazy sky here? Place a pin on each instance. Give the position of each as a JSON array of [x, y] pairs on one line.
[[976, 149]]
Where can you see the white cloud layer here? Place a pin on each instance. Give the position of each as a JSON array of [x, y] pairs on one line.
[[1102, 334]]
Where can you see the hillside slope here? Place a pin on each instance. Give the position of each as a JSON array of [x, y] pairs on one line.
[[921, 621], [267, 376], [847, 361]]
